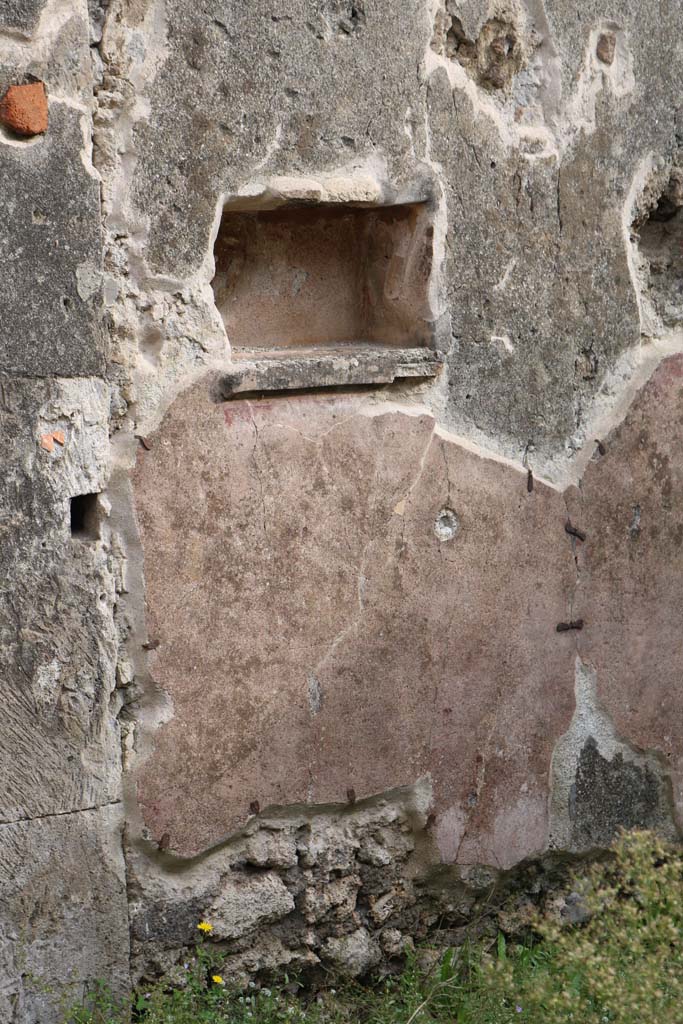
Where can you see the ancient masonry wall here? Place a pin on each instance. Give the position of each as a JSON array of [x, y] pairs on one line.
[[341, 346]]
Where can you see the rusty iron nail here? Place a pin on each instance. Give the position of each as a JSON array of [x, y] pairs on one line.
[[574, 531], [565, 627]]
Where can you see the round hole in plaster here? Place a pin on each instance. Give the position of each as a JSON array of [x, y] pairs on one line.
[[446, 524]]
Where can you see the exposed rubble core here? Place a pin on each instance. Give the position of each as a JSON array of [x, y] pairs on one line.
[[340, 506], [493, 59], [660, 242]]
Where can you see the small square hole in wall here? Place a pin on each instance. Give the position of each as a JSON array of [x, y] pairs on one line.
[[325, 275], [84, 517]]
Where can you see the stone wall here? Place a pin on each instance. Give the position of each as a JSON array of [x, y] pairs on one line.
[[340, 516]]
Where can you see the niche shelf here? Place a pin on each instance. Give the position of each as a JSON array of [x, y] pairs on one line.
[[325, 295]]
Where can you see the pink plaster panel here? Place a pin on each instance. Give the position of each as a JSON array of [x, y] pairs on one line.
[[317, 637]]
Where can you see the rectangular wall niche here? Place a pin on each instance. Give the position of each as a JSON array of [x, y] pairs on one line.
[[324, 277]]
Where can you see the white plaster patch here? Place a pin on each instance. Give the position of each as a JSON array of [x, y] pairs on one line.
[[45, 684], [548, 125], [292, 188], [504, 340], [503, 283], [595, 76], [16, 46], [88, 280], [80, 409], [271, 149], [352, 189]]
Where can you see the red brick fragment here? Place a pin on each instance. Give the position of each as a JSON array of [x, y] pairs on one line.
[[47, 441], [23, 109]]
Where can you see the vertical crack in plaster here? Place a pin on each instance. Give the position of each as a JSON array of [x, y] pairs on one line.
[[480, 779], [257, 469], [576, 551], [402, 506], [559, 197]]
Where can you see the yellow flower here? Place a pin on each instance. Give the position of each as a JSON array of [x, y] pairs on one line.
[[204, 926], [217, 980]]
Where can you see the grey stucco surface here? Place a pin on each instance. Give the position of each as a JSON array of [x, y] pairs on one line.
[[21, 15], [49, 234], [549, 215], [50, 230], [569, 305], [312, 96]]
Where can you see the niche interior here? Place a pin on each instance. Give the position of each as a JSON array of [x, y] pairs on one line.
[[323, 277]]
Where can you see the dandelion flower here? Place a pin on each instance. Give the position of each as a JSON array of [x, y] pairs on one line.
[[217, 980], [205, 927]]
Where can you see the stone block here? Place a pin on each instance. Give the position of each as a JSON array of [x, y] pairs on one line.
[[49, 233], [59, 741], [248, 903], [63, 913]]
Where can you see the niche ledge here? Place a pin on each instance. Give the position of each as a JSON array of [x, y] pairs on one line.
[[343, 365]]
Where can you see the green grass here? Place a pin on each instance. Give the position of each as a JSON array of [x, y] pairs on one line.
[[456, 990], [623, 965]]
